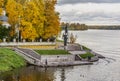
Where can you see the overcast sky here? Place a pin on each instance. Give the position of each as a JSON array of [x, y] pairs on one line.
[[90, 11]]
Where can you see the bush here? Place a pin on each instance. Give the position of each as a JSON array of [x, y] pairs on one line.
[[85, 48], [72, 38], [86, 55], [4, 32], [0, 40]]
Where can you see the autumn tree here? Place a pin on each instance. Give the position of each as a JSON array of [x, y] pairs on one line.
[[1, 6], [28, 12], [51, 24], [14, 10], [40, 18], [34, 13], [28, 31]]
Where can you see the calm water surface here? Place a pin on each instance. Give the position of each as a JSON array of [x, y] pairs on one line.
[[105, 42]]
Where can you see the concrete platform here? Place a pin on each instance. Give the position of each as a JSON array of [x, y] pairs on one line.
[[75, 63], [77, 52]]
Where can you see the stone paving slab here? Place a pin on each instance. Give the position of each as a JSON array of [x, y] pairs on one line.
[[77, 52]]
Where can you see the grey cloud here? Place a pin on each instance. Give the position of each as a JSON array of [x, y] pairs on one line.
[[87, 13], [60, 2], [91, 17]]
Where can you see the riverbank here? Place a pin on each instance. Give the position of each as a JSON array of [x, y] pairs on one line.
[[10, 60], [82, 53], [76, 55]]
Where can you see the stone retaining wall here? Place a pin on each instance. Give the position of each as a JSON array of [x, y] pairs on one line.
[[57, 59], [31, 45], [26, 43]]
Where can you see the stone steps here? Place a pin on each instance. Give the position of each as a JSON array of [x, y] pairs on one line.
[[30, 52], [30, 56]]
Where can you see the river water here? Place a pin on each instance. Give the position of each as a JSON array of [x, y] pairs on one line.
[[105, 42]]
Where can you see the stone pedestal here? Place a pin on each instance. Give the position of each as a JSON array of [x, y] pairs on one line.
[[14, 40], [4, 39], [55, 40], [48, 40], [32, 40], [40, 40], [24, 40]]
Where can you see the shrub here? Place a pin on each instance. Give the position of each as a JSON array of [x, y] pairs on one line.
[[72, 38], [0, 40], [86, 55]]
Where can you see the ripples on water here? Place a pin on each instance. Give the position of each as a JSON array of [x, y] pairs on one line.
[[105, 42]]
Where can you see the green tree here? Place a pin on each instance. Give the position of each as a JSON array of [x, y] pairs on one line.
[[4, 32]]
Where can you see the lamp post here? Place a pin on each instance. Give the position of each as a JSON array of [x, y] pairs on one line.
[[18, 29]]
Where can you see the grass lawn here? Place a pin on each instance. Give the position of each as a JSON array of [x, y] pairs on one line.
[[59, 40], [10, 60], [86, 55], [85, 48], [52, 52]]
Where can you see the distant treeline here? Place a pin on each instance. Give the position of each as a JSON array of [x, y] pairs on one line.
[[115, 27], [74, 26]]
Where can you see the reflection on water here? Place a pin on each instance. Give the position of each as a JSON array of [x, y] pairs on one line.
[[105, 42], [34, 73], [63, 74], [103, 70], [31, 73]]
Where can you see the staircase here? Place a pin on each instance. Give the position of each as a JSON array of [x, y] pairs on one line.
[[30, 56], [77, 58], [74, 47]]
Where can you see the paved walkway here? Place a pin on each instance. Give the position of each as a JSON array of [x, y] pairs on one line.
[[77, 52], [74, 47], [30, 52]]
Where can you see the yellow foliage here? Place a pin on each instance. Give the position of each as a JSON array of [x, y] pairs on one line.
[[1, 22], [27, 31], [33, 13], [52, 19], [38, 18], [14, 10], [0, 11], [1, 5]]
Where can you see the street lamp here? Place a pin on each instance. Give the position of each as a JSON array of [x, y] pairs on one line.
[[18, 28]]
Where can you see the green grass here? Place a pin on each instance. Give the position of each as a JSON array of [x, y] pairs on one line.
[[52, 52], [85, 48], [86, 55], [59, 40], [10, 60]]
